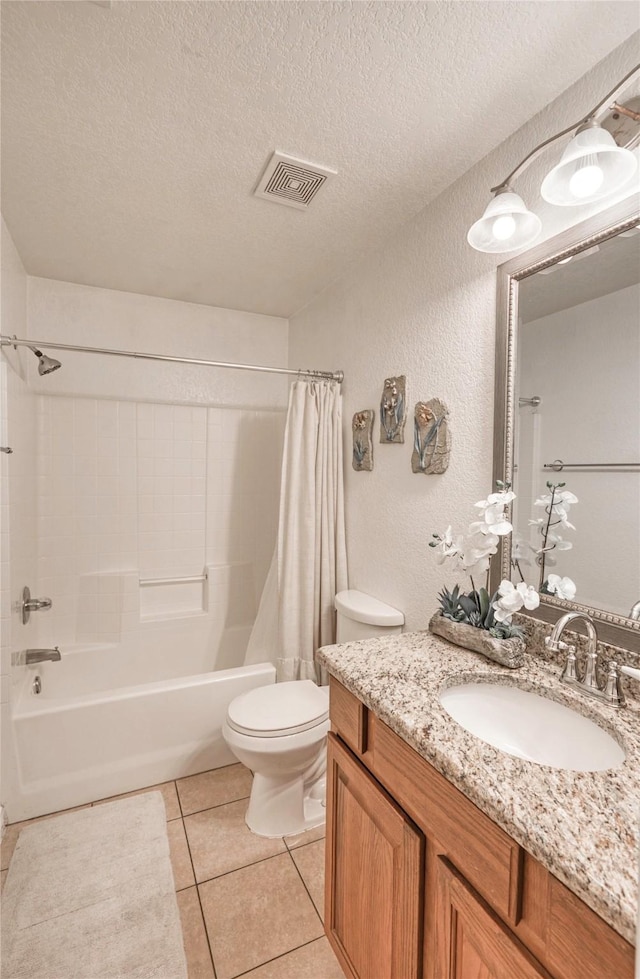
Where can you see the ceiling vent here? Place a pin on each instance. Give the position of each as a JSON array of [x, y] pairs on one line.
[[292, 182]]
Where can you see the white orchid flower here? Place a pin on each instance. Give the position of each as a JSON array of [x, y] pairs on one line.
[[501, 499], [494, 516], [513, 598], [567, 497], [561, 587], [543, 500], [561, 502], [558, 543], [479, 546], [497, 522], [447, 547], [480, 537], [510, 597], [522, 592], [501, 615], [563, 522]]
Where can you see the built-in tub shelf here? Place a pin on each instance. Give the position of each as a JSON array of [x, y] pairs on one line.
[[168, 597], [148, 582]]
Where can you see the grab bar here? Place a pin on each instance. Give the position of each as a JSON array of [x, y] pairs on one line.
[[146, 582], [558, 465]]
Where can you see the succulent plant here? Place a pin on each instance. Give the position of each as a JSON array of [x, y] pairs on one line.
[[450, 604], [476, 609]]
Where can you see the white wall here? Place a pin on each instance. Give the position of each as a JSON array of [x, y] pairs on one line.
[[589, 382], [89, 316], [424, 306]]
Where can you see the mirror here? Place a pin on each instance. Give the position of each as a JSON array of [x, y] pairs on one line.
[[568, 421]]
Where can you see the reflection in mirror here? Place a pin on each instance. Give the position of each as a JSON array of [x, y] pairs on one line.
[[577, 432]]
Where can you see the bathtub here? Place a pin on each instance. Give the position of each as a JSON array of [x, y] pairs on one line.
[[111, 719]]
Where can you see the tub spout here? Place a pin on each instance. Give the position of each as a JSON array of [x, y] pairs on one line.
[[32, 656]]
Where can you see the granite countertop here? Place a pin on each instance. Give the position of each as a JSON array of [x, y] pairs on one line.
[[582, 826]]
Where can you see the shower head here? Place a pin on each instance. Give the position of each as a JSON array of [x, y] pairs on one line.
[[45, 364]]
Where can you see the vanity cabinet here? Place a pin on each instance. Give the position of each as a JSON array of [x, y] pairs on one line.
[[420, 884], [377, 854]]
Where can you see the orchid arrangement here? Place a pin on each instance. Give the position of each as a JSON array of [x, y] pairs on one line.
[[472, 555], [557, 504]]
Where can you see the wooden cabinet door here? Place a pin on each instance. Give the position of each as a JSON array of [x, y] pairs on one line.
[[471, 941], [374, 875]]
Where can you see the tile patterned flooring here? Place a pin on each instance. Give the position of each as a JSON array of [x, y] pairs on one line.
[[249, 906]]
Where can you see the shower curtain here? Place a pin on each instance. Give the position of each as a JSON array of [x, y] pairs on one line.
[[296, 613]]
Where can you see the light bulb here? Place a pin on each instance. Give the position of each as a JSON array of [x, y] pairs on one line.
[[503, 227], [587, 179]]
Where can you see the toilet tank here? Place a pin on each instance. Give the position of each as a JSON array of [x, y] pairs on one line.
[[361, 616]]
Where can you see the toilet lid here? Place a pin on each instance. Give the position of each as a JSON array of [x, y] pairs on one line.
[[279, 709]]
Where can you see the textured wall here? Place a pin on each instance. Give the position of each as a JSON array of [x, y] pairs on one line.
[[424, 305]]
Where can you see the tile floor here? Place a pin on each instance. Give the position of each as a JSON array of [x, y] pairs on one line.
[[249, 906]]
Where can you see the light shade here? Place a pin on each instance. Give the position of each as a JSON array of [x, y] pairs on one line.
[[505, 226], [592, 167]]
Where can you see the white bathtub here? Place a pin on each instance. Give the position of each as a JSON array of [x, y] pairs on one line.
[[88, 736]]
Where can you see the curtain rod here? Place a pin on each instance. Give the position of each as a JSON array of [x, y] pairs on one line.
[[320, 375]]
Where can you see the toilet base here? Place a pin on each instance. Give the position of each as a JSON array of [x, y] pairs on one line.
[[285, 806]]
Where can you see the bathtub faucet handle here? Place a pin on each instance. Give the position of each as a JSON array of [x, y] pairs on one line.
[[29, 604]]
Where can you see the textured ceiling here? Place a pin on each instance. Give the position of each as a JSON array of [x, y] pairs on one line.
[[133, 136]]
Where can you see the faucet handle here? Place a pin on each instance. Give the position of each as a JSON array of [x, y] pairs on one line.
[[569, 671], [613, 693]]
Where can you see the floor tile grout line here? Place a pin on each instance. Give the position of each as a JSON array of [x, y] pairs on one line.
[[219, 805], [179, 800], [276, 957], [304, 884], [204, 923], [245, 866]]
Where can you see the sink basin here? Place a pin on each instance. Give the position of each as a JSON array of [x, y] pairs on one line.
[[532, 727]]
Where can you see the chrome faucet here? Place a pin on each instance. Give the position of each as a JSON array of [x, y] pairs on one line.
[[586, 679], [32, 656]]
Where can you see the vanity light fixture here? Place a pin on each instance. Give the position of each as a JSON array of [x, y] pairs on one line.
[[592, 167]]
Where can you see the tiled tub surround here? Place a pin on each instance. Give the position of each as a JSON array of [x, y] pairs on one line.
[[158, 490], [249, 906], [582, 826]]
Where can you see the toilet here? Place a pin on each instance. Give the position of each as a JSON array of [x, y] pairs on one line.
[[280, 731]]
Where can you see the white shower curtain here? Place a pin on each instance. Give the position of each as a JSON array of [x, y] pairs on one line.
[[296, 614]]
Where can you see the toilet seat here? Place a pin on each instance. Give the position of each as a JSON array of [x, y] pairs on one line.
[[279, 710]]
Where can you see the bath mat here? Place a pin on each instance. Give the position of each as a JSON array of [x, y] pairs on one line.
[[90, 895]]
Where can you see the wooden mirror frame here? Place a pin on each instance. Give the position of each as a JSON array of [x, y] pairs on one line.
[[615, 629]]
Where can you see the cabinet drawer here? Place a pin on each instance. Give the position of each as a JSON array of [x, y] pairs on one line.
[[348, 717], [483, 853]]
